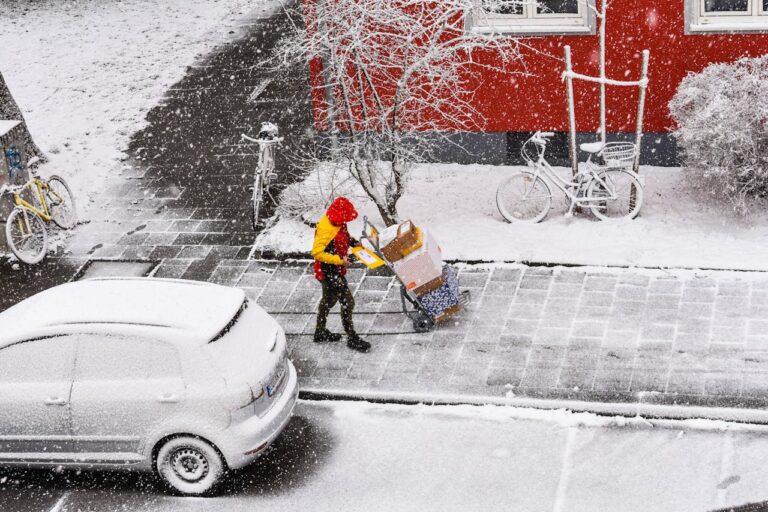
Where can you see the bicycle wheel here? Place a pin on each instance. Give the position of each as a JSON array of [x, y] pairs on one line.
[[524, 198], [61, 203], [620, 195], [26, 235], [258, 192]]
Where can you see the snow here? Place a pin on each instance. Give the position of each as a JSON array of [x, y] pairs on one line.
[[458, 204], [339, 456], [182, 311], [6, 126], [86, 73]]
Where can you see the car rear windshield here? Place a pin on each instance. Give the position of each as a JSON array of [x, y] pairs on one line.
[[232, 322]]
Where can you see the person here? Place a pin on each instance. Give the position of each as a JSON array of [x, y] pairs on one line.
[[331, 253]]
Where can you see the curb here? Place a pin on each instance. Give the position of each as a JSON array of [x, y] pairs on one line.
[[756, 417]]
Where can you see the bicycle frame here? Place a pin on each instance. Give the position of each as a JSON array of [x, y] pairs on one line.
[[541, 166], [39, 186]]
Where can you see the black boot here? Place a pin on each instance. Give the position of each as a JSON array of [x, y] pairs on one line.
[[355, 342], [326, 336]]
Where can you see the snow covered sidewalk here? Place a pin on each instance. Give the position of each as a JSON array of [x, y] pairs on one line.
[[618, 336], [457, 202]]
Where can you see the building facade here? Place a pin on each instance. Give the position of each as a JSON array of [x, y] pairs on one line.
[[683, 36]]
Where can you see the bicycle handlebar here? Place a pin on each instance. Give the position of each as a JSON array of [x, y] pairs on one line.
[[261, 141]]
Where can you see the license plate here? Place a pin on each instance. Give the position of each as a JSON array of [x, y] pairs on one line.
[[272, 388]]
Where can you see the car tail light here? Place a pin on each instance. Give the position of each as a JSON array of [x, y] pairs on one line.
[[252, 407]]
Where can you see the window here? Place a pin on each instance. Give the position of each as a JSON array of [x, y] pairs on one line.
[[43, 360], [104, 358], [534, 16], [727, 16]]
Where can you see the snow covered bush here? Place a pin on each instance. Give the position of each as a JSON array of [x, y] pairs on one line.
[[722, 128]]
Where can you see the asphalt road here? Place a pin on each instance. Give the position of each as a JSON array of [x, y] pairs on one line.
[[339, 456]]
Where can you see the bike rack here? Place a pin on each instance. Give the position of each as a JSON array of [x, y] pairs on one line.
[[570, 75]]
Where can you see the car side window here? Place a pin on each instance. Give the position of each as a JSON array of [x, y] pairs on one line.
[[103, 357], [42, 360]]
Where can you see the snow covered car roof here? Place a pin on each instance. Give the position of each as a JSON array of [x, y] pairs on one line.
[[175, 310]]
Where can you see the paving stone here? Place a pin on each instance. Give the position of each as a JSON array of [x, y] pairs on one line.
[[622, 338], [592, 299], [600, 284], [657, 301], [722, 385], [189, 239], [630, 278], [612, 380], [733, 288], [565, 290], [527, 311], [697, 310], [540, 378], [665, 286], [755, 385], [500, 288], [587, 329], [631, 293], [137, 252], [648, 380], [531, 297], [694, 294], [545, 356], [511, 356], [687, 383], [660, 332], [576, 378], [735, 335], [689, 360], [617, 358], [253, 279], [170, 271], [194, 252], [161, 252], [160, 238], [505, 376], [375, 283], [691, 341], [569, 276], [529, 282], [473, 279], [505, 275]]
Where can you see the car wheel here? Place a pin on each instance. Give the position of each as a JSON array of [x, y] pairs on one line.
[[189, 465]]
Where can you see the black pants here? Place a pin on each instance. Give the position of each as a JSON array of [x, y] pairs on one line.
[[336, 290]]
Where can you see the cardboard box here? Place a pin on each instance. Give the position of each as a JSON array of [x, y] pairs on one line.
[[408, 238], [421, 266]]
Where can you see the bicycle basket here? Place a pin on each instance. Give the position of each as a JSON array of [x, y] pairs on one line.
[[618, 154]]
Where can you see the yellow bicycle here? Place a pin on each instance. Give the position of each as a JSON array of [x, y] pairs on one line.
[[25, 228]]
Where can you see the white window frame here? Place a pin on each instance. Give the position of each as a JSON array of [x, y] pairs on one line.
[[698, 21], [531, 22]]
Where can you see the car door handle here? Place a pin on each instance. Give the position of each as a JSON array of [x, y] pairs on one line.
[[168, 398], [55, 400]]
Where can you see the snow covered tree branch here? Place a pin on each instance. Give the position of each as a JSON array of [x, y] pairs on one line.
[[397, 78]]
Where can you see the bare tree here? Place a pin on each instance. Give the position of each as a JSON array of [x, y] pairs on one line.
[[10, 110], [397, 78]]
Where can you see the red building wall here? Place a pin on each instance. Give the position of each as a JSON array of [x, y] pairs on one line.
[[539, 102]]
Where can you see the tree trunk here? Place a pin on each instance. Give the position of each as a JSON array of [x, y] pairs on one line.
[[9, 110]]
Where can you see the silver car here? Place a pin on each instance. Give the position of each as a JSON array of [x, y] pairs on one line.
[[183, 378]]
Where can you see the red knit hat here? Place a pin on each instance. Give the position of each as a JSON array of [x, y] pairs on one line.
[[341, 211]]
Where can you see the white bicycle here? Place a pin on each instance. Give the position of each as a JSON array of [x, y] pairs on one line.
[[265, 170], [610, 191]]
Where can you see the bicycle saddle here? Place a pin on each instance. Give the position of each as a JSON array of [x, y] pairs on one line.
[[592, 147]]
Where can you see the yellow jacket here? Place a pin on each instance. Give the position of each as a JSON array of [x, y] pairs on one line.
[[324, 234]]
